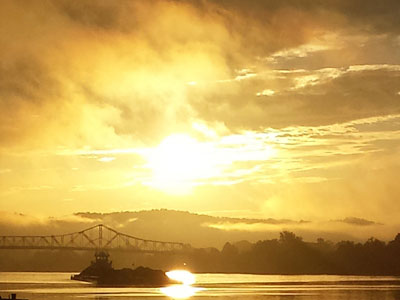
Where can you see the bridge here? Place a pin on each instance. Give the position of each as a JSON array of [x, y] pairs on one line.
[[99, 237]]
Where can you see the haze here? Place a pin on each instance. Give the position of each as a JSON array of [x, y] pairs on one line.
[[252, 109]]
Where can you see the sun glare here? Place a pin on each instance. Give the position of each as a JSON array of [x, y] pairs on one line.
[[183, 276], [179, 163], [181, 291]]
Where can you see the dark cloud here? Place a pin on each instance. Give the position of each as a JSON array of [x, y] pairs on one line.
[[98, 14], [358, 221], [368, 15], [58, 57], [24, 80], [380, 16], [353, 95]]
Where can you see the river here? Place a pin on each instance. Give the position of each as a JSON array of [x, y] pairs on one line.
[[57, 286]]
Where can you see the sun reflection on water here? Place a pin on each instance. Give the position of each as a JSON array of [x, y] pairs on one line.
[[180, 291]]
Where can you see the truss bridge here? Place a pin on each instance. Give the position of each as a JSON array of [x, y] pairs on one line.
[[99, 237]]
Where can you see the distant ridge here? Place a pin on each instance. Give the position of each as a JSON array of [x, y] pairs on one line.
[[197, 229]]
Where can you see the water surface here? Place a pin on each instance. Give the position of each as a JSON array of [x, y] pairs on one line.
[[57, 286]]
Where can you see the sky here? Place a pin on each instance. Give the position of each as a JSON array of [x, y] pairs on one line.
[[255, 109]]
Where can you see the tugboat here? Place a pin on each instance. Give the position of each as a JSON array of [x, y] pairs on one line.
[[101, 272], [97, 269]]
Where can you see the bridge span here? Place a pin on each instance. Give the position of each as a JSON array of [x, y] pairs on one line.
[[99, 237]]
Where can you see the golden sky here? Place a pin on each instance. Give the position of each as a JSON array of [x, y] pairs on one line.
[[282, 109]]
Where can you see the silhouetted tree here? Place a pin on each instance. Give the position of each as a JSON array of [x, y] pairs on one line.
[[289, 237], [287, 255]]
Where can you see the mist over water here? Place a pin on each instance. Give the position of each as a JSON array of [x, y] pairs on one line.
[[56, 286]]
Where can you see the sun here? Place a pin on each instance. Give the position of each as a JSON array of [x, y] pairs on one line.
[[179, 163]]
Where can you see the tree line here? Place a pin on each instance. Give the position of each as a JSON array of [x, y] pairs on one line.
[[291, 255]]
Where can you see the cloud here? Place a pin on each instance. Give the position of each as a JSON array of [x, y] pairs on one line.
[[96, 71], [100, 71], [364, 15], [23, 224], [311, 98], [348, 228], [299, 98], [358, 221]]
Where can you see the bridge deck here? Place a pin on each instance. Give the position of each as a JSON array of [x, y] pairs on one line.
[[96, 237]]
